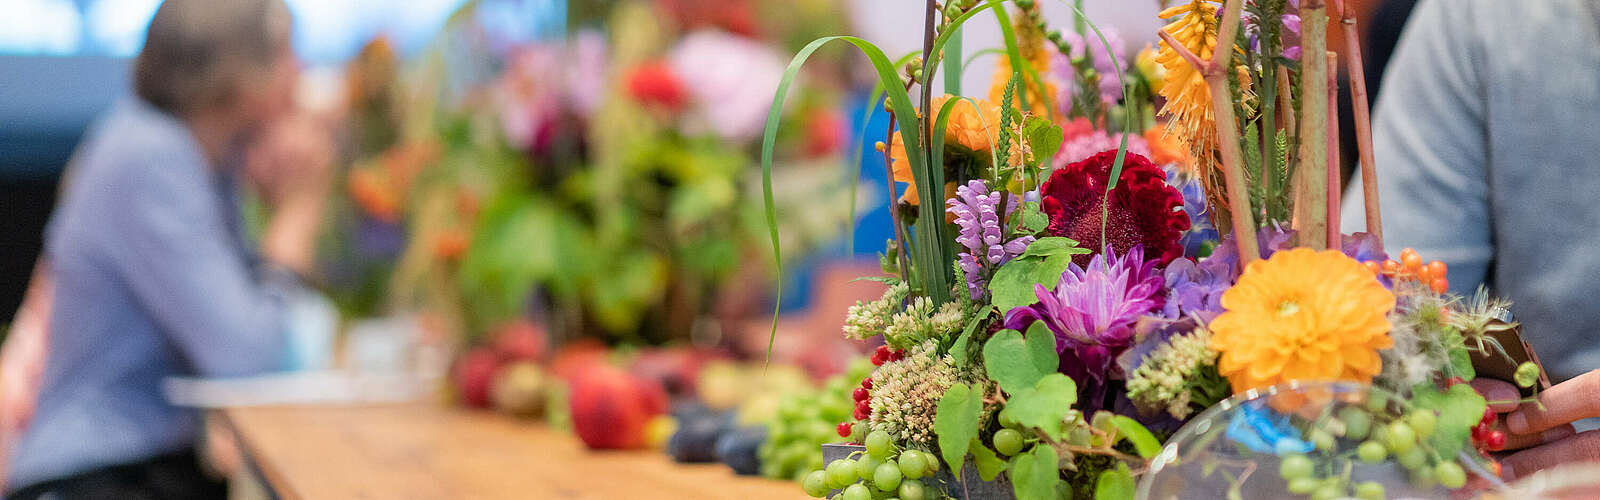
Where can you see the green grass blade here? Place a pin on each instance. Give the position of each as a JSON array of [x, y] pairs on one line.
[[851, 170], [900, 102], [977, 54], [952, 65], [1128, 125]]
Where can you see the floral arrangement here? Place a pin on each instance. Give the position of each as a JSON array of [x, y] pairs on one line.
[[1110, 261], [585, 181]]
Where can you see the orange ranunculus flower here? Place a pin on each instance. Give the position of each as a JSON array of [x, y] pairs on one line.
[[1302, 315], [1165, 149], [973, 128]]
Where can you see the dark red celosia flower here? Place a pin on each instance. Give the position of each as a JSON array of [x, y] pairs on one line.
[[1142, 210], [654, 83]]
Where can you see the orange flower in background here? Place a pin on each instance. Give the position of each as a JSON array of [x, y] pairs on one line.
[[1302, 315], [374, 193], [1164, 148], [974, 128], [1031, 45], [451, 244]]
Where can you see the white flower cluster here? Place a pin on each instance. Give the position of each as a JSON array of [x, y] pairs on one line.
[[1165, 380], [905, 394], [867, 319]]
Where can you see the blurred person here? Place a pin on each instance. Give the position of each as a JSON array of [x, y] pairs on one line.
[[1487, 158], [152, 271]]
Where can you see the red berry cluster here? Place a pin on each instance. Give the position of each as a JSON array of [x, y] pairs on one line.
[[1485, 436], [863, 399], [884, 355], [862, 396]]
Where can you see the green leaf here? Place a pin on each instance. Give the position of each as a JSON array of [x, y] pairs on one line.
[[1041, 264], [1042, 352], [1053, 246], [1044, 137], [1460, 408], [1017, 362], [1044, 405], [887, 280], [956, 423], [988, 462], [1461, 363], [959, 348], [1033, 219], [1143, 441], [1115, 484], [1034, 474]]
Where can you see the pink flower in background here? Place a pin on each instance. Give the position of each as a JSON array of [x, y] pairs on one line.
[[1075, 149], [544, 81], [731, 80], [1110, 87]]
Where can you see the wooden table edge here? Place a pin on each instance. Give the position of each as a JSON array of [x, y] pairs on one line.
[[272, 478]]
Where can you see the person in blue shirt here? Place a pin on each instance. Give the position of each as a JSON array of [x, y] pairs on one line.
[[154, 274]]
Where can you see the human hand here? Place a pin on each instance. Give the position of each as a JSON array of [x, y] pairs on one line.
[[1545, 428], [291, 161], [22, 357]]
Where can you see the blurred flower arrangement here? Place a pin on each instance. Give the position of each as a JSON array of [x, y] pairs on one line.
[[599, 183], [1110, 260]]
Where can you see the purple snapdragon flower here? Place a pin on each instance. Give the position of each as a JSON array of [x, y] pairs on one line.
[[976, 209], [1290, 33], [1092, 313]]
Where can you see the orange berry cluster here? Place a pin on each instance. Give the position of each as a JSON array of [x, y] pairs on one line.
[[1410, 267]]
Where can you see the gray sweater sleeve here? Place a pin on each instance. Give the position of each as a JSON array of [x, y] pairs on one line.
[[1429, 139]]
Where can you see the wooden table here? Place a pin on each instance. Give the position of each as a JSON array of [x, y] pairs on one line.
[[423, 451]]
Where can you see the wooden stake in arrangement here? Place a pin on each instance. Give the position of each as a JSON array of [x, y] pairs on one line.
[[1314, 122], [1216, 77], [1334, 185], [1363, 119]]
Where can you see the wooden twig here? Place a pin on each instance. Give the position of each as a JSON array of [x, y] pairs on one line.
[[1362, 113], [1313, 122], [1216, 77], [1333, 151]]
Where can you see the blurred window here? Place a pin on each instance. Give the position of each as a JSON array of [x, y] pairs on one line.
[[327, 31]]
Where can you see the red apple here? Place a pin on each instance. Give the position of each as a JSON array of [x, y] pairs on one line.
[[520, 340], [474, 374], [576, 357], [611, 409]]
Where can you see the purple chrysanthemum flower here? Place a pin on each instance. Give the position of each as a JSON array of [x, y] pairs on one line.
[[976, 209], [1092, 313]]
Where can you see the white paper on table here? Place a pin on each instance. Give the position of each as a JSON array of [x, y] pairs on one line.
[[297, 388]]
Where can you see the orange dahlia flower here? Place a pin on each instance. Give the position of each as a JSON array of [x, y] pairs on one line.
[[1302, 315], [974, 129]]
